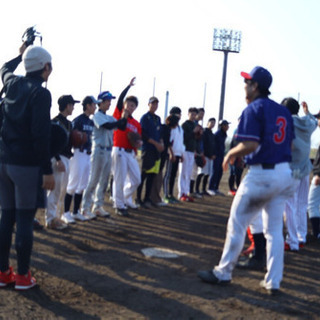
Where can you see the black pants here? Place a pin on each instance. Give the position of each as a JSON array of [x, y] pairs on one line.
[[170, 176], [217, 174]]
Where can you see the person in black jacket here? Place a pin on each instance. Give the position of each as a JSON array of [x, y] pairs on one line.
[[221, 136], [209, 148], [24, 156]]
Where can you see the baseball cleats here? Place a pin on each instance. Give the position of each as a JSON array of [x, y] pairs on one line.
[[7, 278], [251, 264], [100, 212], [67, 218], [210, 277], [122, 212], [211, 192], [79, 216], [232, 192], [89, 215], [271, 292], [37, 225], [56, 224], [25, 282], [288, 248]]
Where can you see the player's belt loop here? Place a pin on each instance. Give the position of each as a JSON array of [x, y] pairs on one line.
[[268, 166]]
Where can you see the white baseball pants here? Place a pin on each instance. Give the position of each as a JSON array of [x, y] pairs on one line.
[[126, 176], [266, 191], [185, 172]]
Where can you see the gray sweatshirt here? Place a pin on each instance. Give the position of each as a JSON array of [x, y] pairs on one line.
[[303, 128]]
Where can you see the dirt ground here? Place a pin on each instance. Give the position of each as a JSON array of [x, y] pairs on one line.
[[96, 270]]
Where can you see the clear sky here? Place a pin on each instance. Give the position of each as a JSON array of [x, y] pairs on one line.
[[169, 43]]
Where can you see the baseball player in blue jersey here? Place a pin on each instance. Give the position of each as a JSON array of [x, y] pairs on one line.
[[265, 134], [80, 163]]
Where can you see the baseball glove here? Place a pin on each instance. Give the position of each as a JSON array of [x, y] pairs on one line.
[[134, 139]]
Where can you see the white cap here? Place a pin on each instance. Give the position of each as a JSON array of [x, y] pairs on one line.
[[35, 58]]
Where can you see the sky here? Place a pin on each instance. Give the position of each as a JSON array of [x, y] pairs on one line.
[[167, 46]]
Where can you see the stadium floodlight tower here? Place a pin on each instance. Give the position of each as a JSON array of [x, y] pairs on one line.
[[225, 40]]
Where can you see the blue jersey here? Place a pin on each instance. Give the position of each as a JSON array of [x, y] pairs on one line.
[[85, 124], [271, 125], [151, 128]]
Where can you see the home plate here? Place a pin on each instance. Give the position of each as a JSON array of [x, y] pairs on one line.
[[162, 253]]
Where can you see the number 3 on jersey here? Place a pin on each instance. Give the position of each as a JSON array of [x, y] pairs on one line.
[[280, 136]]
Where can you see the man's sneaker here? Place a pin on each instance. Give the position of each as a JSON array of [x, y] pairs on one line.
[[8, 277], [122, 212], [232, 192], [79, 216], [211, 192], [37, 225], [56, 224], [89, 215], [25, 282], [184, 198], [210, 277], [271, 292], [205, 193], [67, 218], [101, 212], [219, 193]]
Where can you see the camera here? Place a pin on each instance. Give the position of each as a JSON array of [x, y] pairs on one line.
[[30, 35]]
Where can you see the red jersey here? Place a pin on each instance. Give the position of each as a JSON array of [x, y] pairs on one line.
[[120, 138]]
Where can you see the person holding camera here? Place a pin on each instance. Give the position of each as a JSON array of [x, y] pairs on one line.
[[24, 156]]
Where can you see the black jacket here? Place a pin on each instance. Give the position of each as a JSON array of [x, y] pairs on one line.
[[209, 143], [25, 126], [189, 139]]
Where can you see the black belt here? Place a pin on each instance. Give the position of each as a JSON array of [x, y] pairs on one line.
[[126, 150], [268, 166], [85, 150]]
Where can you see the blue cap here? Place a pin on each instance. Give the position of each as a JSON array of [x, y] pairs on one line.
[[105, 95], [260, 75]]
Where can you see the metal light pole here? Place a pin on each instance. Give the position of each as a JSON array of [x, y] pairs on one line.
[[225, 40]]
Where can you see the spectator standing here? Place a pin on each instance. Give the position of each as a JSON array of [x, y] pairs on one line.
[[221, 136], [151, 148], [24, 156], [189, 139], [176, 150], [209, 149]]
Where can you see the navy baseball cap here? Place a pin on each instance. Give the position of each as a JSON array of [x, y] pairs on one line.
[[66, 99], [105, 95], [260, 75]]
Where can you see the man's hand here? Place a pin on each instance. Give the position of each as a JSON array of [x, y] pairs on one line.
[[159, 146], [48, 182], [227, 159], [22, 48], [305, 107], [60, 166], [132, 82]]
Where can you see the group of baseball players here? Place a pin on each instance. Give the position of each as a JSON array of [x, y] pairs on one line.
[[38, 154]]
